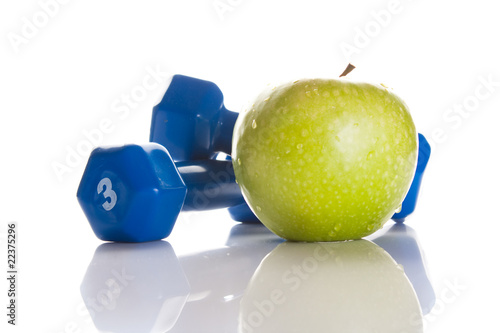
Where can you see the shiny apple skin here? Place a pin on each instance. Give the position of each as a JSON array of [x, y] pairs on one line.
[[325, 159]]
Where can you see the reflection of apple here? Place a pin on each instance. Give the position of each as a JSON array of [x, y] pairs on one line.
[[347, 287], [323, 160]]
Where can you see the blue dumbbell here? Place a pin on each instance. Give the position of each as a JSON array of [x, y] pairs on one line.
[[134, 193], [408, 206], [192, 123]]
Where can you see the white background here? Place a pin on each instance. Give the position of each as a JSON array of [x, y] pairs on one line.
[[74, 70]]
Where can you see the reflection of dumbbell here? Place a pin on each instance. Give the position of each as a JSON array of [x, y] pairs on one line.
[[134, 287], [218, 279], [192, 123], [134, 193], [146, 288], [400, 241]]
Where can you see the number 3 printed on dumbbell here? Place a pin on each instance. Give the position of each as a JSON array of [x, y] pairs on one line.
[[108, 193]]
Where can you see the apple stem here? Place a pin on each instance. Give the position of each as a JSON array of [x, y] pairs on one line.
[[347, 70]]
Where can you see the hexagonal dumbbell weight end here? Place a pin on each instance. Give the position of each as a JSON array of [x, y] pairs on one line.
[[131, 193], [191, 120]]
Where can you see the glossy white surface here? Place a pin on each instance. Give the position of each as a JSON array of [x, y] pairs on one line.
[[348, 286], [76, 75]]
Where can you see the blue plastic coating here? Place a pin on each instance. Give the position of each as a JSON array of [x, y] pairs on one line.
[[408, 206], [131, 193], [134, 193], [191, 120]]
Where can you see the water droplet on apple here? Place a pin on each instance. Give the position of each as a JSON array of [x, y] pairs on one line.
[[337, 227], [398, 210], [258, 208], [316, 91], [267, 99], [304, 132], [308, 93], [254, 124], [299, 146], [295, 81], [370, 155], [239, 161]]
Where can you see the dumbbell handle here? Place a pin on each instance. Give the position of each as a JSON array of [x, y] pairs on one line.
[[224, 131], [211, 184]]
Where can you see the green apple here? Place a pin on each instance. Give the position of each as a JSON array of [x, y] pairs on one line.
[[325, 159], [347, 287]]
